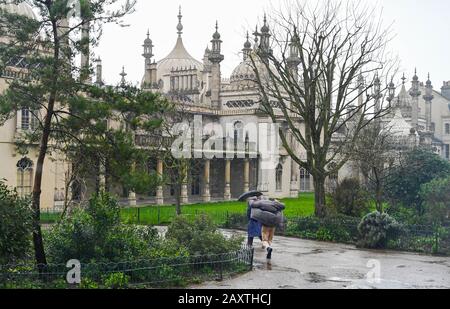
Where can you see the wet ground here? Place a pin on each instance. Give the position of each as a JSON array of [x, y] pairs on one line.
[[303, 264]]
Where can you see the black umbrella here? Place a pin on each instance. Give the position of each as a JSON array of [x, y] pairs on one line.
[[250, 194]]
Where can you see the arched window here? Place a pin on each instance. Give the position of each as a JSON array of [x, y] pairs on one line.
[[195, 182], [305, 181], [26, 119], [279, 177], [239, 140], [24, 176], [238, 132]]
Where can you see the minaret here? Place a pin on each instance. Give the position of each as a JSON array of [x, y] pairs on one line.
[[377, 94], [85, 52], [391, 92], [294, 60], [247, 49], [415, 94], [180, 25], [428, 97], [264, 46], [361, 88], [150, 76], [99, 74], [216, 58], [123, 82]]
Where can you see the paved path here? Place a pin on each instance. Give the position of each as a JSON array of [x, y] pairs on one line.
[[307, 264]]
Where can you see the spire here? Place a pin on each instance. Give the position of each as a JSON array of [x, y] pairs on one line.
[[216, 35], [215, 55], [294, 59], [123, 74], [148, 47], [265, 28], [403, 79], [428, 97], [415, 91], [99, 70], [247, 48], [391, 91], [429, 90], [428, 81], [180, 25], [415, 77]]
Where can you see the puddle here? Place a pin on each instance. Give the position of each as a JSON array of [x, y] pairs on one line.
[[316, 278]]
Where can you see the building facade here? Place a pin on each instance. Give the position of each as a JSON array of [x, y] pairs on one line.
[[17, 162], [199, 88]]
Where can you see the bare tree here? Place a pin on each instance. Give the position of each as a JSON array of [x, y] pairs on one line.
[[177, 120], [375, 153], [318, 74]]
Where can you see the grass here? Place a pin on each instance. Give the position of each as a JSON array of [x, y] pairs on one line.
[[154, 215]]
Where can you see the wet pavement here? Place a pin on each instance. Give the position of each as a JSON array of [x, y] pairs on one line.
[[303, 264]]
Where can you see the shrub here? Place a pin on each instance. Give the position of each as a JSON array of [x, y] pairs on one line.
[[15, 225], [436, 197], [201, 236], [417, 168], [349, 198], [116, 281], [336, 229], [376, 229], [96, 234]]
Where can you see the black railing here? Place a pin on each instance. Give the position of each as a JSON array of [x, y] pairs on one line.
[[161, 272]]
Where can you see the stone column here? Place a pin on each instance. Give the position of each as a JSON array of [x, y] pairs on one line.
[[246, 175], [295, 169], [184, 198], [227, 194], [132, 195], [160, 189], [206, 181]]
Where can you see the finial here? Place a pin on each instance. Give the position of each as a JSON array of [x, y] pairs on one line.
[[247, 44], [180, 25], [403, 79], [415, 77], [123, 74], [429, 84], [265, 28], [216, 35], [148, 33]]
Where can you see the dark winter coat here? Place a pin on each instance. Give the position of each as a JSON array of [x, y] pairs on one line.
[[267, 218], [270, 206], [254, 226]]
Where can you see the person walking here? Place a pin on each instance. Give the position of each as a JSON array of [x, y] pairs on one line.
[[254, 227], [270, 214]]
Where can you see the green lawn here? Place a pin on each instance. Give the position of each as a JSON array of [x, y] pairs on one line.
[[154, 215], [295, 207]]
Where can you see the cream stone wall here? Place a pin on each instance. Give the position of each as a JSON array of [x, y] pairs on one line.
[[54, 166]]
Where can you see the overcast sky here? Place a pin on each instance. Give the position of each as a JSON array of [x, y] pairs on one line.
[[422, 29]]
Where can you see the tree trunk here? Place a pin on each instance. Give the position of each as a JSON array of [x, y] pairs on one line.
[[178, 198], [39, 252], [319, 194]]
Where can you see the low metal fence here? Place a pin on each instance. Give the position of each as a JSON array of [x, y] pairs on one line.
[[418, 238], [161, 272]]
